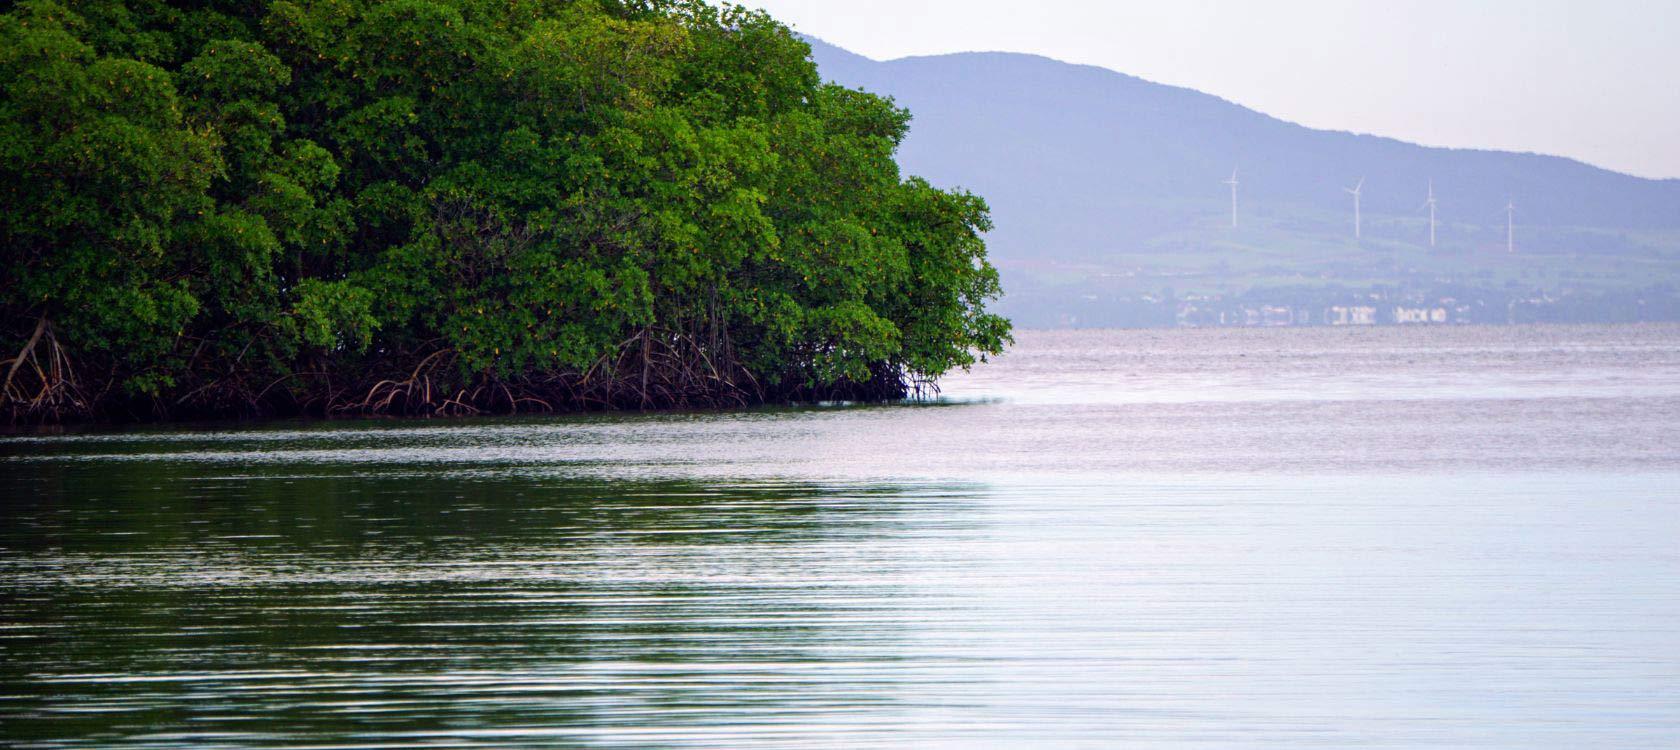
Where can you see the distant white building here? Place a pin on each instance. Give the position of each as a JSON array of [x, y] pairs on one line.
[[1276, 315], [1419, 315], [1351, 315]]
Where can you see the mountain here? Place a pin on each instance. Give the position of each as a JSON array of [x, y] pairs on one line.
[[1093, 174]]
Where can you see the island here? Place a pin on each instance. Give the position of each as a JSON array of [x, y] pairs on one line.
[[446, 208]]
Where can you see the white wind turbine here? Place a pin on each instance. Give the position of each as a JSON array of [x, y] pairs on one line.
[[1233, 183], [1431, 204], [1354, 191]]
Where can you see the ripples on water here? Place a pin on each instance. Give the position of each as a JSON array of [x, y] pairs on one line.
[[1452, 537]]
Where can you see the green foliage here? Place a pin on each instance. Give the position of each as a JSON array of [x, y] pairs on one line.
[[335, 315], [429, 205]]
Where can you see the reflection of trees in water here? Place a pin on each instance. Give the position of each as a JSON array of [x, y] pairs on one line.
[[355, 600]]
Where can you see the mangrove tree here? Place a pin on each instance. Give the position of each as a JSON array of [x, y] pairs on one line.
[[458, 206]]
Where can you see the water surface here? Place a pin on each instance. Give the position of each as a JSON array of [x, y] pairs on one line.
[[1273, 538]]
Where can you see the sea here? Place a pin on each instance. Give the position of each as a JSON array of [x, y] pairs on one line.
[[1462, 537]]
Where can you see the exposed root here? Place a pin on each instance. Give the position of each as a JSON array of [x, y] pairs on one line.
[[653, 369], [48, 390]]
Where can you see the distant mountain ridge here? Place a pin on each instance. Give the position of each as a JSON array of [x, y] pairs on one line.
[[1107, 188], [1011, 126]]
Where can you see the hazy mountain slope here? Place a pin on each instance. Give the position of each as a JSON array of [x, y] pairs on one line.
[[1013, 125], [1083, 164]]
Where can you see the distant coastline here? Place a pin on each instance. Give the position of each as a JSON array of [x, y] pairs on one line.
[[1341, 307]]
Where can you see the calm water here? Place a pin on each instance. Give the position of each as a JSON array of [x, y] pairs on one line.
[[1272, 538]]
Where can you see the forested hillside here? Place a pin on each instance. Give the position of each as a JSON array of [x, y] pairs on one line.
[[458, 206]]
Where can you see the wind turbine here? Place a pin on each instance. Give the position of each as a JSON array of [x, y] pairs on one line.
[[1354, 191], [1233, 183], [1510, 226], [1430, 203]]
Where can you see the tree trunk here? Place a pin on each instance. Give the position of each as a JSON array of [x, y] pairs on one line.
[[29, 348]]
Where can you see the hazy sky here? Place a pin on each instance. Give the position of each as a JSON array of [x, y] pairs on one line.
[[1598, 81]]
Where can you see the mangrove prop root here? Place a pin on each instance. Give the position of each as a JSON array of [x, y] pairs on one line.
[[48, 390], [28, 351], [652, 369]]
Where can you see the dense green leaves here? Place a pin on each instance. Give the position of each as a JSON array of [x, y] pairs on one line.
[[454, 205]]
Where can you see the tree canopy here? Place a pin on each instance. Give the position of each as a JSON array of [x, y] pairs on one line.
[[456, 206]]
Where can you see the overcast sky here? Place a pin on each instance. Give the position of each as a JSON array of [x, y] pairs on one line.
[[1598, 81]]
